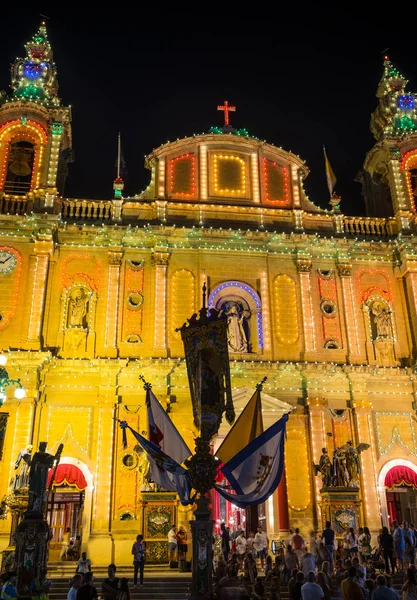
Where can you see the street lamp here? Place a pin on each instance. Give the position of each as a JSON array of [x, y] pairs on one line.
[[5, 381]]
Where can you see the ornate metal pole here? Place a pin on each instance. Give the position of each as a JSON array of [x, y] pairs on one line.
[[207, 358]]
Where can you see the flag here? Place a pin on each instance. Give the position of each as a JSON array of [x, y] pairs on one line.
[[166, 472], [330, 176], [248, 426], [162, 430], [255, 472]]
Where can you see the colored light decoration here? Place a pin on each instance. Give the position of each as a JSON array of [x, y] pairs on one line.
[[229, 181], [408, 163], [404, 123], [6, 382], [406, 101], [182, 176], [286, 312], [226, 108], [275, 182]]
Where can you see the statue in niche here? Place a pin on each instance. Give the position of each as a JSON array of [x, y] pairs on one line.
[[238, 328], [21, 479], [382, 320], [78, 308]]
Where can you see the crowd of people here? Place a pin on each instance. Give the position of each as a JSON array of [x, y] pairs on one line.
[[318, 566], [312, 567]]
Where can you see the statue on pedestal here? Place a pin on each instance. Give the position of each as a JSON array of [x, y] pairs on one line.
[[21, 479], [38, 476], [345, 469]]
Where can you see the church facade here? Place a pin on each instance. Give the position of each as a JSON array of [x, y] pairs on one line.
[[92, 292]]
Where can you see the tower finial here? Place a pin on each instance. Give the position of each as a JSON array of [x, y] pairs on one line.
[[118, 183]]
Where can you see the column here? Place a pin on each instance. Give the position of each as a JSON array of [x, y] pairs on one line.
[[317, 408], [368, 461], [310, 347], [399, 193], [100, 542], [160, 261], [351, 314], [38, 276], [112, 313]]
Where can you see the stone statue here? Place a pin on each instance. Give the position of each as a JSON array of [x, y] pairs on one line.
[[382, 320], [237, 330], [325, 468], [38, 476], [21, 480], [341, 475], [352, 462], [77, 307]]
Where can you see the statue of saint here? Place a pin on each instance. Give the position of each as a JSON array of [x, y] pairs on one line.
[[38, 476], [237, 329], [77, 307], [382, 320], [340, 468], [21, 480], [325, 468], [352, 462]]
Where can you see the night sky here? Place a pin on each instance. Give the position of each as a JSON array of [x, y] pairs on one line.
[[299, 80]]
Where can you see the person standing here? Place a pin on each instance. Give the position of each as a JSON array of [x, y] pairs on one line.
[[328, 540], [241, 547], [84, 564], [139, 556], [110, 585], [352, 542], [261, 544], [291, 563], [77, 582], [172, 546], [307, 563], [8, 590], [225, 535], [182, 548], [66, 538], [364, 543], [386, 544], [399, 544], [298, 543], [87, 591], [409, 543]]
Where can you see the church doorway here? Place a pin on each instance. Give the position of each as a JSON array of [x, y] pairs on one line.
[[65, 508], [398, 492]]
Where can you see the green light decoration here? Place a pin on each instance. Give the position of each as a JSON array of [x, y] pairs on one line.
[[38, 39], [242, 132], [56, 128], [30, 91], [405, 123], [23, 120]]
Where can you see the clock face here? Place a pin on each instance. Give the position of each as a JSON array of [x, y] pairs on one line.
[[8, 261]]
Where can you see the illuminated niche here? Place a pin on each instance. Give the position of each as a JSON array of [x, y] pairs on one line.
[[229, 177], [275, 182], [182, 182]]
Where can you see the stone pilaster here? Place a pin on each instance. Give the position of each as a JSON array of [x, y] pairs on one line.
[[160, 261], [112, 313], [317, 408], [369, 484], [356, 355], [304, 266]]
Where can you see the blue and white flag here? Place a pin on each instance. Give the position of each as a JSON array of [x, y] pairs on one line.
[[255, 472], [166, 472]]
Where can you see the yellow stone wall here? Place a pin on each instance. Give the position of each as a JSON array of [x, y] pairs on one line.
[[74, 392]]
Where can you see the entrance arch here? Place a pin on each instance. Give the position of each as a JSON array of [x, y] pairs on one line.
[[84, 483], [382, 489]]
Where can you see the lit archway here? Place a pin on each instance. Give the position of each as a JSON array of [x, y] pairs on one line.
[[398, 462]]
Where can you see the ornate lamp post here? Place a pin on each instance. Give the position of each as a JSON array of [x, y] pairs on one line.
[[206, 352], [5, 382]]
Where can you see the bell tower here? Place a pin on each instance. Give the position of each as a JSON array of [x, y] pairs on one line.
[[390, 168], [35, 130]]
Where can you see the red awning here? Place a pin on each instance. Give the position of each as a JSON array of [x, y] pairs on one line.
[[398, 476], [69, 474]]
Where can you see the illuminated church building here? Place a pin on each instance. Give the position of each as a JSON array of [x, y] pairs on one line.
[[92, 291]]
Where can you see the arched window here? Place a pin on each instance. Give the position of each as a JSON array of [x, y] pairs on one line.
[[243, 308], [19, 171]]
